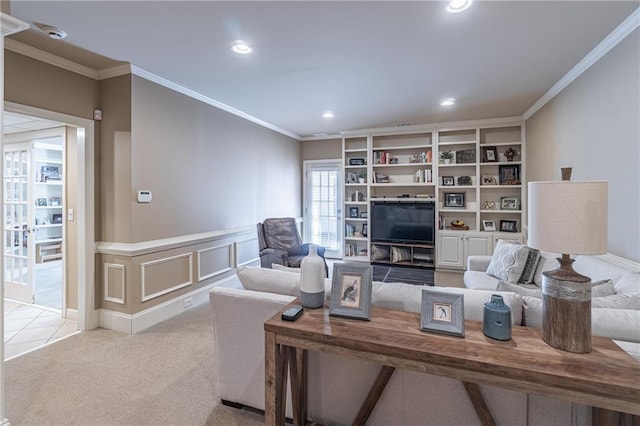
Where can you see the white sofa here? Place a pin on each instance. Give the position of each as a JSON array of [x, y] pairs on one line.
[[337, 385]]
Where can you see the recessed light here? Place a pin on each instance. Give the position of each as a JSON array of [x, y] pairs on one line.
[[241, 47], [448, 102], [53, 32], [456, 6], [328, 114]]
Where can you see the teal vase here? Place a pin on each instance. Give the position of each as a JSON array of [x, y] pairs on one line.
[[497, 319]]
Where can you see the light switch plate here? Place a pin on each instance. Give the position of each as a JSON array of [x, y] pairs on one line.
[[144, 196]]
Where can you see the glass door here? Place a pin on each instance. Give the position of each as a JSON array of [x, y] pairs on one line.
[[323, 201], [17, 237]]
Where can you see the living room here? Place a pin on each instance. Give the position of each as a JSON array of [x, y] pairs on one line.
[[211, 182]]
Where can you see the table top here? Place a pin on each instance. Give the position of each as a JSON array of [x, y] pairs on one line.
[[606, 377]]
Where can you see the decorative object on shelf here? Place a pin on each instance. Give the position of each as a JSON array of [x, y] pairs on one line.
[[509, 175], [48, 173], [312, 279], [454, 199], [56, 218], [488, 180], [567, 217], [489, 154], [353, 212], [464, 180], [446, 156], [489, 205], [359, 161], [508, 226], [496, 320], [380, 178], [363, 215], [55, 201], [511, 153], [442, 313], [41, 202], [357, 196], [364, 229], [466, 156], [509, 203], [351, 291], [488, 225], [362, 176], [448, 181], [459, 225]]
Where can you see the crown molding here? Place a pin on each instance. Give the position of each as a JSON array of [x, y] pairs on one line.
[[620, 33], [10, 25], [114, 71], [49, 58]]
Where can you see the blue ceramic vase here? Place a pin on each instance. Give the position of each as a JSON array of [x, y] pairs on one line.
[[497, 319]]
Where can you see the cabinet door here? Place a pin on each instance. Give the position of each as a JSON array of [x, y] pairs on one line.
[[450, 251], [477, 244]]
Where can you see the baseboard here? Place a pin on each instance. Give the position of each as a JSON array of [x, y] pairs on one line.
[[621, 261], [5, 422], [72, 314], [135, 323]]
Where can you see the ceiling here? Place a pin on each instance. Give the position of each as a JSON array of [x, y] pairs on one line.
[[373, 63]]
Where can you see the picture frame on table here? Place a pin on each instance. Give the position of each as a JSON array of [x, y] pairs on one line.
[[508, 226], [442, 313], [351, 291], [448, 181], [489, 225], [454, 199], [353, 212], [489, 154], [509, 203]]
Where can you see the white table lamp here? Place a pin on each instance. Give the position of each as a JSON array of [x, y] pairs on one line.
[[567, 217]]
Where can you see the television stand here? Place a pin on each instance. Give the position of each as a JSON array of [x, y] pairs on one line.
[[389, 273], [403, 254]]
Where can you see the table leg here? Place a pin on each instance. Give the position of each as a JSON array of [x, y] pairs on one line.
[[298, 373], [604, 417], [275, 380], [479, 404], [374, 395]]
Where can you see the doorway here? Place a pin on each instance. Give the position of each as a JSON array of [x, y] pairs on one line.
[[322, 205]]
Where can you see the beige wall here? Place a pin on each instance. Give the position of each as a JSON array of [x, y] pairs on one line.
[[322, 149], [594, 126]]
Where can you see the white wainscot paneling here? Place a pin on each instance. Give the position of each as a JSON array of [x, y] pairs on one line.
[[214, 261], [178, 269], [247, 251], [114, 283]]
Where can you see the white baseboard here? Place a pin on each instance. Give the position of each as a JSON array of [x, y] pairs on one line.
[[132, 324], [621, 261], [72, 314]]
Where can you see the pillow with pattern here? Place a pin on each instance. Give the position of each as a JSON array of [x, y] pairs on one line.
[[508, 261]]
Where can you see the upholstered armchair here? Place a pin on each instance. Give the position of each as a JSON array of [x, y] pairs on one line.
[[279, 242]]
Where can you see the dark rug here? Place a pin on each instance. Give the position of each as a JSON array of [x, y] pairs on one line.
[[403, 274]]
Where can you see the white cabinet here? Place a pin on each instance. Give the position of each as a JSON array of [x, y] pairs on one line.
[[455, 247]]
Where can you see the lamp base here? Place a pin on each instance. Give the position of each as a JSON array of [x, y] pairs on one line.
[[566, 309]]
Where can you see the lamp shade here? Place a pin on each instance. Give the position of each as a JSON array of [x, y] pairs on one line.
[[568, 216]]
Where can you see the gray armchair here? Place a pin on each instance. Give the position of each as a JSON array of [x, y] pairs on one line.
[[279, 242]]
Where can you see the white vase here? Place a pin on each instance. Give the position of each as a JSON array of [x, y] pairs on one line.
[[312, 279]]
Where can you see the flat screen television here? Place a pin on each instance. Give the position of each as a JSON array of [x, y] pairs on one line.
[[403, 222]]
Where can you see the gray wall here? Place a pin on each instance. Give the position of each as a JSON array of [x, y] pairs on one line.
[[593, 125]]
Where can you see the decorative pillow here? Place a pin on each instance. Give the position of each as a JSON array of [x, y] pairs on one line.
[[598, 289], [547, 262], [617, 301], [279, 267], [529, 270], [379, 252], [508, 261], [602, 288], [399, 254], [269, 280]]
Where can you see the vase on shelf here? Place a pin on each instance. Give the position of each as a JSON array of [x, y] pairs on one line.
[[312, 279], [497, 319]]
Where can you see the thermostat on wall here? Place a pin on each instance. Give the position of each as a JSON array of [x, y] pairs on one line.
[[144, 196]]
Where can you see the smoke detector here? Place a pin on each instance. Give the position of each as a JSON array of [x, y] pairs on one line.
[[53, 32]]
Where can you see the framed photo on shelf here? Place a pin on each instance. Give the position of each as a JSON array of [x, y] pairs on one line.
[[454, 199], [465, 180], [448, 181], [509, 203], [489, 180], [41, 202], [363, 215], [56, 218], [365, 229], [55, 201], [508, 226], [442, 313], [509, 175], [488, 225], [352, 177], [353, 212], [466, 156], [489, 154], [351, 291]]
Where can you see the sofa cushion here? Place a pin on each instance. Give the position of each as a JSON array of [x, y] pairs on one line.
[[275, 281], [508, 261], [617, 301], [598, 289], [598, 269], [279, 267], [480, 280], [628, 283]]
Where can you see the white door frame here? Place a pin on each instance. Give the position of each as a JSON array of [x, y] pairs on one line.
[[85, 219], [340, 201]]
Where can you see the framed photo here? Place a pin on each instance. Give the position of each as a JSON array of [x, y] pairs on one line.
[[41, 201], [56, 218], [466, 156], [442, 312], [489, 180], [508, 226], [55, 201], [488, 225], [363, 215], [509, 175], [353, 212], [454, 199], [489, 154], [464, 180], [509, 203], [448, 181], [48, 173], [351, 291], [352, 177], [365, 229]]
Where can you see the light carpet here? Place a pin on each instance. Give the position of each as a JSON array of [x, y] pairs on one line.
[[160, 376]]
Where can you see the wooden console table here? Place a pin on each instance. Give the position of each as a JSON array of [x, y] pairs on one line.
[[607, 377]]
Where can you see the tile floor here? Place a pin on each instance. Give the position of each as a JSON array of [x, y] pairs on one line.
[[27, 327]]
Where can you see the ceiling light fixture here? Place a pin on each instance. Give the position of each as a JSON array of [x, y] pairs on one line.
[[328, 114], [53, 32], [448, 102], [456, 6], [241, 47]]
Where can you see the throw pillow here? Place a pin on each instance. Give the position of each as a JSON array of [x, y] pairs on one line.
[[379, 252], [617, 301], [602, 288], [399, 254], [269, 280], [530, 290], [508, 261], [279, 267], [529, 270]]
